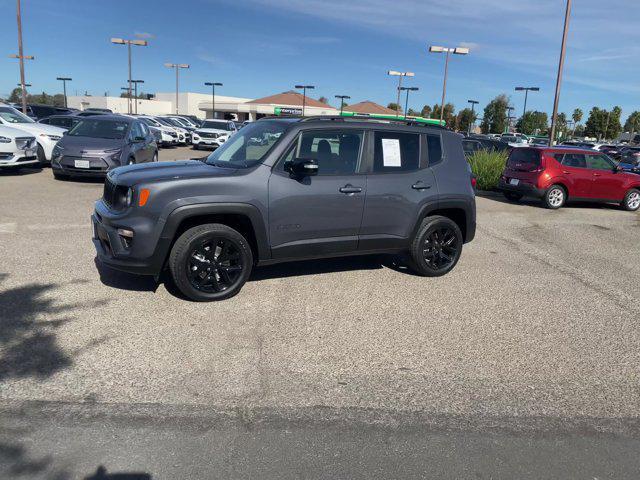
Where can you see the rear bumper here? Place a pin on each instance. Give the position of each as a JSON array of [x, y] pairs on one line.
[[526, 189]]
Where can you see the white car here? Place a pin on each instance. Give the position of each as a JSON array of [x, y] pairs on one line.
[[46, 135], [17, 148], [181, 132], [168, 135], [212, 133]]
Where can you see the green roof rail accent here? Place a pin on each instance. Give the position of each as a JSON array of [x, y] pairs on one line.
[[426, 121]]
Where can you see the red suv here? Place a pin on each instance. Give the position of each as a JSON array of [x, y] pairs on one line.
[[556, 175]]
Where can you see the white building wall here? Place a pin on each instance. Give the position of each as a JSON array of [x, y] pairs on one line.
[[189, 102], [120, 105]]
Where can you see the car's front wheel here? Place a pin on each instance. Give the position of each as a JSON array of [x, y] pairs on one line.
[[631, 200], [210, 262], [42, 158], [437, 246]]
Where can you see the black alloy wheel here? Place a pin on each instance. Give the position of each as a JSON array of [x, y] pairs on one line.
[[440, 247], [214, 265], [436, 247]]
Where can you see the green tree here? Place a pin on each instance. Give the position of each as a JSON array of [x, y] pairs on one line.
[[633, 122], [465, 119], [495, 115], [562, 125], [449, 114], [603, 124], [577, 116], [324, 100], [614, 125], [579, 131], [426, 111], [16, 95], [413, 113], [533, 122], [394, 106]]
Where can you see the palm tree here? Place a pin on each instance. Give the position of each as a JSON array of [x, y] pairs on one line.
[[577, 116]]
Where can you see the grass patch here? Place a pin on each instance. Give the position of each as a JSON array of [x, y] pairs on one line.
[[487, 167]]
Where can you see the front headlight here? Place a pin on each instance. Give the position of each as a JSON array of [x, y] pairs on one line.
[[54, 138], [113, 154], [5, 140], [128, 199], [57, 151]]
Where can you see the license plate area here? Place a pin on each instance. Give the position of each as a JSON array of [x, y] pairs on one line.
[[82, 164], [514, 181]]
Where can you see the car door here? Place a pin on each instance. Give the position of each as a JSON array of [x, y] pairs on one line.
[[148, 143], [321, 214], [607, 183], [578, 177], [136, 141], [399, 182]]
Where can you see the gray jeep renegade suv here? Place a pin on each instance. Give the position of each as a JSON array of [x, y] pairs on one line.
[[290, 189]]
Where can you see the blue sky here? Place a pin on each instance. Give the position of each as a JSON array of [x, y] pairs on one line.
[[260, 47]]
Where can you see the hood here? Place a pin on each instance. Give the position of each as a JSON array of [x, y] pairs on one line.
[[76, 146], [38, 128], [156, 172], [213, 130], [11, 132]]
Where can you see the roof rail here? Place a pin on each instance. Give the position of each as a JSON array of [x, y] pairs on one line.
[[375, 118]]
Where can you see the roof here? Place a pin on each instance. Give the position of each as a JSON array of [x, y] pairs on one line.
[[369, 107], [290, 98]]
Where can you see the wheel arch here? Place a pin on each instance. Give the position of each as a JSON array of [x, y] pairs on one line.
[[462, 212]]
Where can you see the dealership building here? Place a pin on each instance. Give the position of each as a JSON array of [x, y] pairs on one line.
[[236, 108]]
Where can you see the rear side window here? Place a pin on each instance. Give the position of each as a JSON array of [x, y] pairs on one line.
[[470, 146], [434, 149], [524, 157], [575, 160], [396, 152]]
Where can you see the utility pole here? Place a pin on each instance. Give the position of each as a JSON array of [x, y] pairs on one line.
[[473, 121], [342, 98], [213, 86], [399, 75], [526, 91], [64, 81], [21, 57], [128, 43], [177, 66], [406, 103], [448, 51], [563, 48], [135, 95], [304, 94]]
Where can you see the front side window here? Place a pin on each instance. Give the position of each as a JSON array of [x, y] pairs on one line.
[[11, 115], [249, 147], [599, 162], [396, 152], [337, 152], [575, 160], [111, 129]]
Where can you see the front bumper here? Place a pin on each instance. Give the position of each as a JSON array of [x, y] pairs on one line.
[[526, 189], [17, 160], [97, 166]]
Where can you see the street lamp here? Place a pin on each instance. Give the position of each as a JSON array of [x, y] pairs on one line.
[[406, 103], [448, 51], [509, 118], [128, 43], [304, 94], [342, 98], [135, 94], [473, 120], [213, 86], [526, 91], [399, 75], [22, 57], [64, 81], [563, 49], [177, 66]]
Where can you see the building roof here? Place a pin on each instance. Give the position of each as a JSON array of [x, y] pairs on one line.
[[370, 107], [290, 98]]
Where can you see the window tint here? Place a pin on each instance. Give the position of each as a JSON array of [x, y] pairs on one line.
[[599, 162], [136, 131], [523, 156], [143, 128], [396, 152], [336, 151], [61, 122], [470, 146], [574, 160]]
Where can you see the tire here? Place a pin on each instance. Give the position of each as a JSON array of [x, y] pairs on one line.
[[201, 249], [155, 157], [436, 247], [513, 197], [555, 197], [42, 159], [631, 200]]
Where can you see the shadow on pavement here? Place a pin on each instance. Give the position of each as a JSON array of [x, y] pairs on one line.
[[101, 474], [19, 171], [534, 202], [28, 344], [123, 280]]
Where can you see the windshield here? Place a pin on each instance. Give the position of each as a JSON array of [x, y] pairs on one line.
[[163, 121], [150, 121], [216, 125], [249, 146], [11, 115], [111, 129], [174, 122]]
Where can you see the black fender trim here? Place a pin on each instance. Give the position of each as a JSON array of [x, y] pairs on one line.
[[177, 216], [463, 203]]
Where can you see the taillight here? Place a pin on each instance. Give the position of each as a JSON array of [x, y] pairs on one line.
[[474, 182]]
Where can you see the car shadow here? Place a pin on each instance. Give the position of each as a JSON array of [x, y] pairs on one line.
[[125, 281], [19, 171], [534, 202]]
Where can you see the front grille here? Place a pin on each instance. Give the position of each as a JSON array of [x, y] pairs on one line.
[[6, 156], [25, 142], [109, 195], [208, 135], [173, 134]]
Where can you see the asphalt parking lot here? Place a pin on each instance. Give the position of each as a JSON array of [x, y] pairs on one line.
[[536, 329]]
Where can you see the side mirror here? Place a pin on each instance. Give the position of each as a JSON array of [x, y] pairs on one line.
[[617, 169], [303, 167], [66, 132]]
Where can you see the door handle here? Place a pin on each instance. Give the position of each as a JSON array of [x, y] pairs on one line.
[[564, 171], [597, 175], [350, 189], [420, 185]]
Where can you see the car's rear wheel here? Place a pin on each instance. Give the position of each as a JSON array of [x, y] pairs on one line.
[[437, 246], [555, 197], [513, 197], [210, 262], [631, 200]]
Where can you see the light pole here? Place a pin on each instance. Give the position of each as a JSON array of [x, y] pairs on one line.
[[448, 51], [406, 103], [22, 57], [213, 86], [177, 66], [473, 120], [135, 92], [304, 94], [128, 43], [509, 117], [526, 91], [399, 75], [563, 49], [342, 99], [64, 81]]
